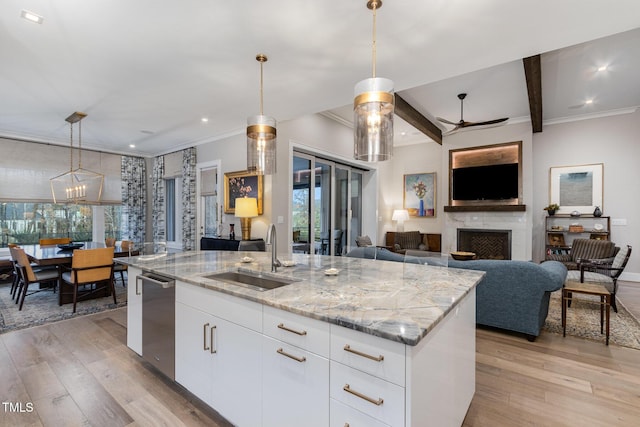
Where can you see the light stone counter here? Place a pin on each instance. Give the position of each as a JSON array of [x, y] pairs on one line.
[[396, 301]]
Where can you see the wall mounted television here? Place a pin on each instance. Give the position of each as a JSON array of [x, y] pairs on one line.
[[490, 182]]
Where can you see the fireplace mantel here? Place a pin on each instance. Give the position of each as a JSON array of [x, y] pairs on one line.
[[486, 208]]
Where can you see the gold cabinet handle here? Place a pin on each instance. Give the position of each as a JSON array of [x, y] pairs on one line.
[[213, 328], [204, 337], [281, 326], [291, 356], [348, 348], [376, 402]]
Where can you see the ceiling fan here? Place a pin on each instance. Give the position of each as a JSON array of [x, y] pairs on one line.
[[462, 124]]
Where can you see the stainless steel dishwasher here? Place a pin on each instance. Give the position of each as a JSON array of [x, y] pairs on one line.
[[158, 322]]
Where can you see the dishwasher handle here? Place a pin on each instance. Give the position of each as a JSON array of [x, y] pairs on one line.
[[164, 282]]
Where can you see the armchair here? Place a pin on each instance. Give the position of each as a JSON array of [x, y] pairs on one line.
[[604, 272], [585, 249]]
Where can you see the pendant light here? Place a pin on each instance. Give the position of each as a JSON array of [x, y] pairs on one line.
[[261, 137], [373, 107], [78, 186]]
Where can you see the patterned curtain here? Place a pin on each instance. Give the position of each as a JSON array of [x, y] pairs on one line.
[[159, 205], [189, 199], [134, 198]]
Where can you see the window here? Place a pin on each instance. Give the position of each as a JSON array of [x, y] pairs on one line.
[[26, 223], [173, 212]]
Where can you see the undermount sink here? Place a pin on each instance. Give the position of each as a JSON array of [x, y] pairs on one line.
[[254, 280]]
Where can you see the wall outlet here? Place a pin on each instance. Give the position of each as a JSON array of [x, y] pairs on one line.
[[280, 219]]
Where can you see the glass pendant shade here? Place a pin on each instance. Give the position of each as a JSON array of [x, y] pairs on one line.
[[261, 145], [373, 109]]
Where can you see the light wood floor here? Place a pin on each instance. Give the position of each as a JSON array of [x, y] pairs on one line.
[[80, 372]]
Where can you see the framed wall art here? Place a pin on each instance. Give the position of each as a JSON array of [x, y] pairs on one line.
[[419, 197], [241, 184], [576, 188]]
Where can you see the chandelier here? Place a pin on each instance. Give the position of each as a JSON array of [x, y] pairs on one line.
[[261, 137], [77, 186], [373, 108]]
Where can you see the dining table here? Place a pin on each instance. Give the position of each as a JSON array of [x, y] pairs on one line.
[[61, 256]]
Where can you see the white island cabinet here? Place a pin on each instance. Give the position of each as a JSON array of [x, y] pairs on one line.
[[384, 344], [218, 355]]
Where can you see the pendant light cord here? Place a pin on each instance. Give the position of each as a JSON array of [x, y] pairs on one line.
[[261, 86], [71, 149], [374, 40]]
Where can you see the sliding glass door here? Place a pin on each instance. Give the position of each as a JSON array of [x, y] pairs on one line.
[[324, 199]]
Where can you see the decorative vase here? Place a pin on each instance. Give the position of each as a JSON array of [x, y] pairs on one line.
[[552, 212], [597, 212], [421, 211], [232, 232]]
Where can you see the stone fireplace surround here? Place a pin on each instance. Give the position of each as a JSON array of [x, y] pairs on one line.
[[517, 222]]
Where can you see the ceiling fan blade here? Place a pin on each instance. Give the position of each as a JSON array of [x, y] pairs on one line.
[[488, 122], [446, 121]]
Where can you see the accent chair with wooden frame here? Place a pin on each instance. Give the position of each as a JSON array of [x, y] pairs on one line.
[[91, 270], [29, 277], [605, 272]]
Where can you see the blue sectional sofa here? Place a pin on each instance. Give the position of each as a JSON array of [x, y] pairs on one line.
[[513, 295]]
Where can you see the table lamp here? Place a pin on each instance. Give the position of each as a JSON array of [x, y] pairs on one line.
[[400, 215], [246, 208]]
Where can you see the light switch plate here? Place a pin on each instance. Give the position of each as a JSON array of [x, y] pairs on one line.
[[618, 221]]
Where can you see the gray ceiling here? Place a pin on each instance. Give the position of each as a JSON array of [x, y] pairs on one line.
[[146, 72]]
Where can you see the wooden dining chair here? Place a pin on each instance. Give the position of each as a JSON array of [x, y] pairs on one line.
[[91, 269], [55, 241], [126, 246], [30, 277]]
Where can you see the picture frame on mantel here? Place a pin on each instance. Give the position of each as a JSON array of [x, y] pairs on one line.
[[577, 188], [419, 194], [241, 184]]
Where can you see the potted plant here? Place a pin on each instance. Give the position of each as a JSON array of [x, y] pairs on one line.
[[552, 208]]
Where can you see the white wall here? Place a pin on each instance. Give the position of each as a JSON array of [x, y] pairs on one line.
[[613, 141], [314, 133], [419, 158]]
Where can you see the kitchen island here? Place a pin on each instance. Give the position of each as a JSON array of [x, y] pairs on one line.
[[380, 343]]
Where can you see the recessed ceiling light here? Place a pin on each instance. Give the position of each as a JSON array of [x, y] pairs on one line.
[[588, 101], [204, 120], [602, 68], [132, 145], [32, 17], [403, 133]]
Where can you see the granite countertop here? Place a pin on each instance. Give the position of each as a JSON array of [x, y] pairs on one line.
[[397, 301]]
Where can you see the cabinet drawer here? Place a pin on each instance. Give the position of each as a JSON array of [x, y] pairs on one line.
[[295, 386], [304, 332], [377, 398], [345, 416], [377, 356], [236, 310]]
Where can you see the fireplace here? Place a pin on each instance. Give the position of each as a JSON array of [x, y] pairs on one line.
[[486, 244]]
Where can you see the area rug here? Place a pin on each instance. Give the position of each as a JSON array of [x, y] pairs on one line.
[[583, 320], [42, 307]]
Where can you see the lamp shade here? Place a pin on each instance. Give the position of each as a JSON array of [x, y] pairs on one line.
[[246, 207], [400, 215]]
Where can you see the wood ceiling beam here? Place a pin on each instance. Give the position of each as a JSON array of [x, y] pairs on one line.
[[412, 116], [533, 75]]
